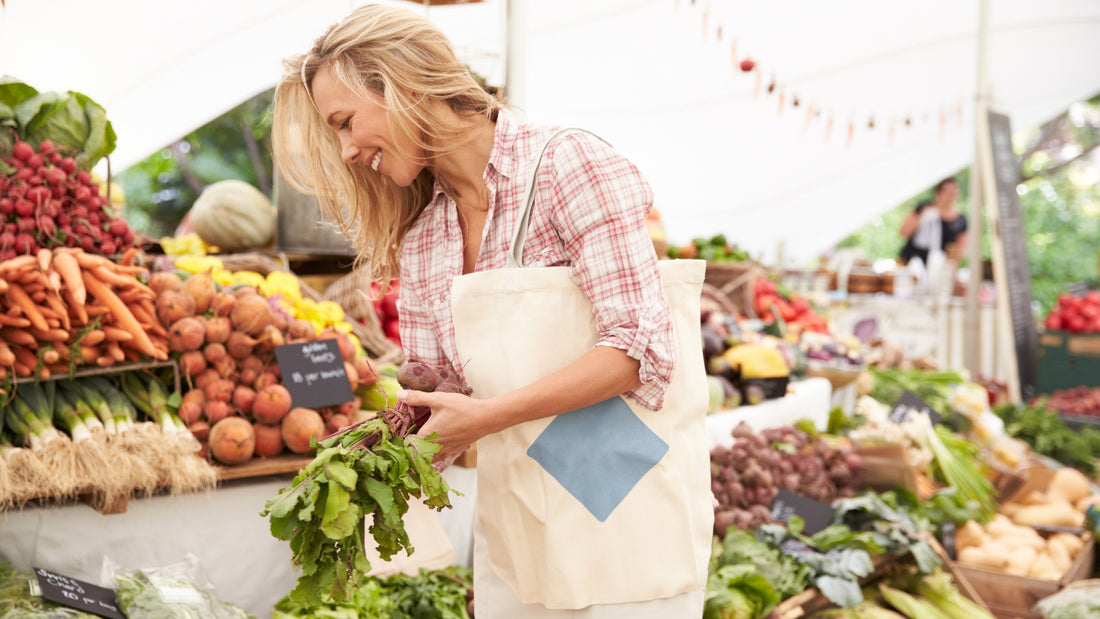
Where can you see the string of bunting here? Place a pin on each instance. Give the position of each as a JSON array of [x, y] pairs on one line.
[[817, 111]]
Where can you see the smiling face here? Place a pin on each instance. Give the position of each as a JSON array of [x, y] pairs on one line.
[[362, 126]]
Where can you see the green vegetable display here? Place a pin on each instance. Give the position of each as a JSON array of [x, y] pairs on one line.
[[431, 594], [142, 595], [1047, 434], [17, 601], [366, 469]]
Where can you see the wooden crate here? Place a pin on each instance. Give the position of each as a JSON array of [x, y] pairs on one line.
[[886, 466], [1009, 596]]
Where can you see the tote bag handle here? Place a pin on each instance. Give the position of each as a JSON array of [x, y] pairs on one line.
[[515, 250]]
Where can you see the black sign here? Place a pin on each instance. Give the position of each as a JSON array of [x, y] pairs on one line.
[[909, 403], [314, 373], [1011, 234], [78, 594], [947, 532], [815, 514]]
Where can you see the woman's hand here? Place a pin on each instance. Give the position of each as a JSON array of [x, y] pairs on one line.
[[459, 420]]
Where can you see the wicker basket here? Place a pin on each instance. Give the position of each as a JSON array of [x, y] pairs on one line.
[[369, 331], [352, 293], [735, 280]]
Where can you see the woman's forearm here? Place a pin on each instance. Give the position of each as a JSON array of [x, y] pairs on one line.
[[599, 374]]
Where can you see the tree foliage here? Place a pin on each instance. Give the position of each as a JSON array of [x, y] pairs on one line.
[[161, 188]]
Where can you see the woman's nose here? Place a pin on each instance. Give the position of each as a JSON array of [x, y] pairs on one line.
[[348, 151]]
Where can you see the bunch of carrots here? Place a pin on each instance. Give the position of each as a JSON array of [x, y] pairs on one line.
[[62, 308]]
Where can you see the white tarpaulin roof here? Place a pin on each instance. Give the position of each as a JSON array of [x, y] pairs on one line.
[[884, 90]]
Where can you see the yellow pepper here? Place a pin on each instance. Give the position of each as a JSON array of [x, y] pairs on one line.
[[281, 282], [250, 278], [198, 264]]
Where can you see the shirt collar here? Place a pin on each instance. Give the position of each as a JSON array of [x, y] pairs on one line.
[[501, 159]]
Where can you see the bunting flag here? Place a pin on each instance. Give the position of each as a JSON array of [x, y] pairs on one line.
[[742, 62]]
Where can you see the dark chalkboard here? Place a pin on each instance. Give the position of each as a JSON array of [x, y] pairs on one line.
[[909, 403], [1011, 233], [78, 594], [314, 373], [815, 514]]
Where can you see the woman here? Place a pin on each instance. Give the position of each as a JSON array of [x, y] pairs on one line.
[[935, 226], [381, 118]]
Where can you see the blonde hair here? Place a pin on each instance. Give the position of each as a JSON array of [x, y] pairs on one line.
[[401, 60]]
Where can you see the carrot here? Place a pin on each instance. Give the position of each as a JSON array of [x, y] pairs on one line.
[[88, 354], [122, 314], [7, 357], [116, 334], [44, 256], [50, 356], [128, 256], [15, 267], [3, 286], [115, 351], [58, 306], [13, 321], [122, 281], [90, 261], [19, 296], [38, 295], [76, 311], [97, 309], [67, 267], [18, 336], [93, 337], [33, 278], [53, 281], [148, 317], [50, 335], [25, 356], [22, 370], [105, 361]]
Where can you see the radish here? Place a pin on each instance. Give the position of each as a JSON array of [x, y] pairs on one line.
[[24, 151], [45, 147], [25, 243], [69, 165]]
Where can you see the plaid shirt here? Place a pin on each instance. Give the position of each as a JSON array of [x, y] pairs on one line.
[[589, 214]]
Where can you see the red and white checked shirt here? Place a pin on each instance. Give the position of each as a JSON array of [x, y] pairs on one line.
[[589, 214]]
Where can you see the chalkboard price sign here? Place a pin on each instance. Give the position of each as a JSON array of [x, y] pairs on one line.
[[78, 594], [1017, 272], [314, 373], [815, 514], [909, 403]]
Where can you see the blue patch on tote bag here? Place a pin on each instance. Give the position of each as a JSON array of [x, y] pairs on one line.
[[598, 453]]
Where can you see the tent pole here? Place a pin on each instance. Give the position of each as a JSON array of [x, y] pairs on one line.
[[515, 52], [972, 318]]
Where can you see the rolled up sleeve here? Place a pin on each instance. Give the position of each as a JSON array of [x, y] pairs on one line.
[[601, 202]]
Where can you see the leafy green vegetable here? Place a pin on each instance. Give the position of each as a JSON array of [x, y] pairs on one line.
[[17, 601], [1049, 435], [739, 547], [71, 119], [738, 592], [157, 597], [933, 387], [364, 470], [431, 594]]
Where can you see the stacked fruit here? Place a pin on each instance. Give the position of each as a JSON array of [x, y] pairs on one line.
[[1075, 313], [773, 304]]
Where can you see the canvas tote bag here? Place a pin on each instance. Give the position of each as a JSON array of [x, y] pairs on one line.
[[608, 504]]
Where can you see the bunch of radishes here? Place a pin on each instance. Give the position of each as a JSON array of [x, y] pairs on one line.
[[48, 201]]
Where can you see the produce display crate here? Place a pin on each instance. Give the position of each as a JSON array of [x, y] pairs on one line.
[[735, 281], [885, 467], [1067, 360], [1009, 596]]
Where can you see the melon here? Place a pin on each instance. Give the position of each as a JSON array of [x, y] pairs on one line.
[[234, 216]]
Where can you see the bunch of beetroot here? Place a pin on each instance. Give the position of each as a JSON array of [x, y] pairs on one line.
[[746, 477], [48, 201]]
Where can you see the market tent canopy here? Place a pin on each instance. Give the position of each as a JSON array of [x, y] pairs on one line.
[[851, 107]]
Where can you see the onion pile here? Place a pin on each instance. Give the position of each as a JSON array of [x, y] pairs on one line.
[[746, 476]]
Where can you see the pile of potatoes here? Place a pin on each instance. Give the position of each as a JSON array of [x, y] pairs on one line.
[[1010, 542]]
